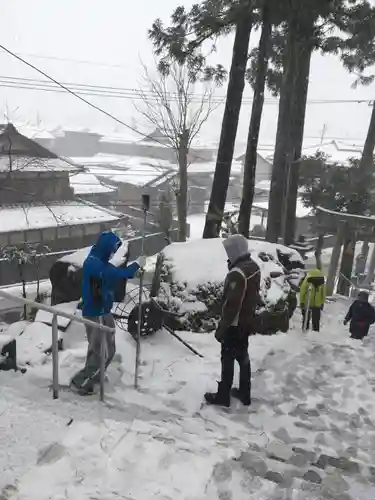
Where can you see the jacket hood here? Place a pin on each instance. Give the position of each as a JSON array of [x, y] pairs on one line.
[[363, 296], [236, 246], [108, 243], [315, 273]]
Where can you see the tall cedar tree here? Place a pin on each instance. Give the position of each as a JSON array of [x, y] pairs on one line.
[[300, 41], [357, 54], [181, 42], [229, 126], [259, 83], [307, 29]]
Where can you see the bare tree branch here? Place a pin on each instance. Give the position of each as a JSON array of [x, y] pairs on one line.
[[169, 103]]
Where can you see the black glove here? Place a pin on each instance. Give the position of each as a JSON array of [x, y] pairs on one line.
[[220, 334]]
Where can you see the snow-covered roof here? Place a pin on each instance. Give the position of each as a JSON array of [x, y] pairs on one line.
[[121, 161], [127, 138], [35, 132], [301, 210], [31, 164], [209, 167], [25, 217], [142, 175], [101, 160], [263, 185], [337, 151], [86, 183]]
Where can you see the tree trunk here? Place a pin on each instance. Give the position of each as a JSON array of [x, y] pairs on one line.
[[37, 269], [182, 196], [369, 147], [346, 268], [229, 125], [255, 121], [283, 153], [318, 251], [335, 259], [365, 250], [371, 268], [299, 112], [365, 163], [24, 294]]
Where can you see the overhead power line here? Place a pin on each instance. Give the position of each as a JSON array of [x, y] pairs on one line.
[[77, 96], [131, 93], [74, 61], [83, 99]]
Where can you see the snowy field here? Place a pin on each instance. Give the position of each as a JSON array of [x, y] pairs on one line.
[[310, 433]]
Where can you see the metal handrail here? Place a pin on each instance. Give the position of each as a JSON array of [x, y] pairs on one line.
[[55, 337]]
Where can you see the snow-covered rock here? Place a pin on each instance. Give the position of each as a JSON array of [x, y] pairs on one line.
[[192, 275], [33, 343]]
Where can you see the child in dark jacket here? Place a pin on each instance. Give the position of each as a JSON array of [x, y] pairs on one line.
[[361, 315]]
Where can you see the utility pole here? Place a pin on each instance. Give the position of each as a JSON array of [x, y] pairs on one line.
[[323, 133]]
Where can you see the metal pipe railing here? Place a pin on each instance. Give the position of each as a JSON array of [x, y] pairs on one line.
[[55, 337]]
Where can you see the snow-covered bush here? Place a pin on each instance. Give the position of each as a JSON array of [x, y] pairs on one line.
[[192, 275]]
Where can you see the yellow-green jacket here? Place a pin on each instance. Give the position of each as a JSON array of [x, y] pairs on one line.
[[314, 282]]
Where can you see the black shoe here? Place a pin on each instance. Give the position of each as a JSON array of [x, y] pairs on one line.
[[241, 396], [86, 390], [219, 398]]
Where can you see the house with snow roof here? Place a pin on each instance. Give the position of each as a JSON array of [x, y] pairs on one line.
[[38, 204], [263, 171], [337, 151]]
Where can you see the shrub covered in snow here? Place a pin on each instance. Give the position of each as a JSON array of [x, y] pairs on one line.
[[192, 275]]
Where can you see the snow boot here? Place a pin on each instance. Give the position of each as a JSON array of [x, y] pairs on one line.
[[241, 396], [85, 390], [219, 398], [96, 379]]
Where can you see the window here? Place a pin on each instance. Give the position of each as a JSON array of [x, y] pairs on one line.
[[49, 234], [76, 231], [33, 236], [92, 229], [3, 239], [63, 232], [17, 238]]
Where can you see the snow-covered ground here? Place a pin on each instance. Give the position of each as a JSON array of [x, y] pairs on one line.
[[197, 222], [310, 433]]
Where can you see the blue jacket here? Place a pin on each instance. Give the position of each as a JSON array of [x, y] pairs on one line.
[[100, 276]]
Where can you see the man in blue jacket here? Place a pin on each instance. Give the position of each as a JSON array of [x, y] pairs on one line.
[[98, 290]]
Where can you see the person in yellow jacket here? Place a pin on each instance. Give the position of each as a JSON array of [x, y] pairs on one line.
[[312, 297]]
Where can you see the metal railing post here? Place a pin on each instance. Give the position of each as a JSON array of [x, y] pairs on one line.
[[55, 336], [55, 357], [102, 362]]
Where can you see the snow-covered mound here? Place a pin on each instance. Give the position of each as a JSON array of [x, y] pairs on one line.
[[193, 274]]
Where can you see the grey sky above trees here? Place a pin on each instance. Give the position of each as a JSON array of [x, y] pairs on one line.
[[115, 35]]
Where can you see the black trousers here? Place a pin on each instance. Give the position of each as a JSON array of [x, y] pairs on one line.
[[314, 314], [9, 351], [235, 348]]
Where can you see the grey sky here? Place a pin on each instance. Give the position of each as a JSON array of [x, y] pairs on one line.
[[111, 32]]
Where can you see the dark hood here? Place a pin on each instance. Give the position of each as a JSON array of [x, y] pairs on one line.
[[107, 244], [363, 296]]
